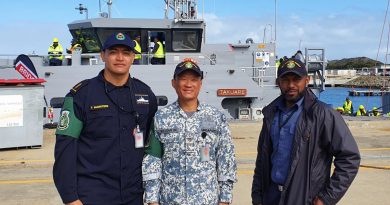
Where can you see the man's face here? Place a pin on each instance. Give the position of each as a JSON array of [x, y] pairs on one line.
[[292, 86], [118, 59], [187, 85]]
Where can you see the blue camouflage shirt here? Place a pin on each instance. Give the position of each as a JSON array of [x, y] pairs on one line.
[[173, 169]]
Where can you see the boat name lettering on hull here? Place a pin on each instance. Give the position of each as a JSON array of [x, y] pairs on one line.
[[231, 92]]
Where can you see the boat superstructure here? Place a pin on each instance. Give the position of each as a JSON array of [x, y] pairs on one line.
[[238, 77]]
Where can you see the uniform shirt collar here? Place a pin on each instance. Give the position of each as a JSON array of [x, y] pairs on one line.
[[177, 107], [282, 105], [108, 86]]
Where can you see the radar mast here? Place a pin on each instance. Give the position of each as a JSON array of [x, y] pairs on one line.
[[183, 10]]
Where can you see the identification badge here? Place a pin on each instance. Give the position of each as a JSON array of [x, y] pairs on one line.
[[138, 137], [205, 153]]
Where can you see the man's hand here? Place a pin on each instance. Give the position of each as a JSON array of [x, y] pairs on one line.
[[317, 201], [77, 202], [223, 203], [154, 203]]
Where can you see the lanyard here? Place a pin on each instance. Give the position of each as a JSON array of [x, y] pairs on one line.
[[281, 124], [133, 101]]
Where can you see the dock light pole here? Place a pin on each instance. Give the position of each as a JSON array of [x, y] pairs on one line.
[[264, 33], [300, 41], [275, 26]]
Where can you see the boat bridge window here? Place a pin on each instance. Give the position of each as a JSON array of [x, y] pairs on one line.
[[91, 39], [185, 40], [104, 33], [88, 40]]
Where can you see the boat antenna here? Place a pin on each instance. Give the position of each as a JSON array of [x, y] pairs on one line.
[[183, 9], [81, 8], [275, 25], [109, 4]]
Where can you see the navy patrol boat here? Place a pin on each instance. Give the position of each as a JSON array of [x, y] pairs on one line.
[[238, 78]]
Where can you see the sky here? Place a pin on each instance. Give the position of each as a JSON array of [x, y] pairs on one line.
[[345, 29]]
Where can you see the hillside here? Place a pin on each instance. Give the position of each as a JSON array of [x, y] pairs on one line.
[[353, 63]]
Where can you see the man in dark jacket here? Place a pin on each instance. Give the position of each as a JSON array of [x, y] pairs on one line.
[[299, 138]]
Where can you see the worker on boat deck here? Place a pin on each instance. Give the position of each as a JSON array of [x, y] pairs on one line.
[[340, 110], [375, 112], [55, 51], [74, 46], [348, 107], [158, 52], [362, 111], [278, 62], [138, 50]]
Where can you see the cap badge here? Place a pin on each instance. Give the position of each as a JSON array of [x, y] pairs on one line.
[[291, 64], [188, 65], [120, 36]]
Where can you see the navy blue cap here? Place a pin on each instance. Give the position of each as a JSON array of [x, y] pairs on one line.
[[292, 65], [119, 39], [187, 64]]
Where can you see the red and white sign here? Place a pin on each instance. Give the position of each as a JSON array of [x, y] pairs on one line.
[[25, 71], [231, 92]]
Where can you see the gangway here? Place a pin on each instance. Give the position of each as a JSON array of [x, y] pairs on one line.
[[316, 64]]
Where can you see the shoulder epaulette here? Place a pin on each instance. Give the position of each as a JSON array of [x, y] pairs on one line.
[[137, 80], [78, 86]]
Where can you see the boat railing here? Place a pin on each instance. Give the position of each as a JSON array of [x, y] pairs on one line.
[[224, 58], [7, 60], [264, 76]]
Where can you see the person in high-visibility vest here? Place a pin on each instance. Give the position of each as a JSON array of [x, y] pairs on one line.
[[375, 112], [340, 110], [361, 111], [138, 50], [348, 107], [55, 50], [74, 45], [158, 52]]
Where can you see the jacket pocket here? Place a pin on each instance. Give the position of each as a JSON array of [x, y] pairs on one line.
[[101, 125]]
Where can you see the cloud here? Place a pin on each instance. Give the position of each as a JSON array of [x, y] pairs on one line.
[[341, 35]]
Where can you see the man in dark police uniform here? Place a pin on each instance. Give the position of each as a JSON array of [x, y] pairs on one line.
[[101, 132]]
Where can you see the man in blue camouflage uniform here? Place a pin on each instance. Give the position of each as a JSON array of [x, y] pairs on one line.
[[190, 157], [100, 135]]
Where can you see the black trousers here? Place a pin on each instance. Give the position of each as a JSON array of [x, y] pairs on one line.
[[157, 61], [272, 195]]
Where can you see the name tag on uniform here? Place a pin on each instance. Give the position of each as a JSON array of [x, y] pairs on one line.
[[205, 153], [208, 125], [138, 138]]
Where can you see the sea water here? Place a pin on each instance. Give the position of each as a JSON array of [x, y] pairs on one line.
[[336, 98]]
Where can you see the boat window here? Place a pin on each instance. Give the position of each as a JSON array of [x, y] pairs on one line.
[[88, 40], [244, 112], [185, 41], [105, 33]]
